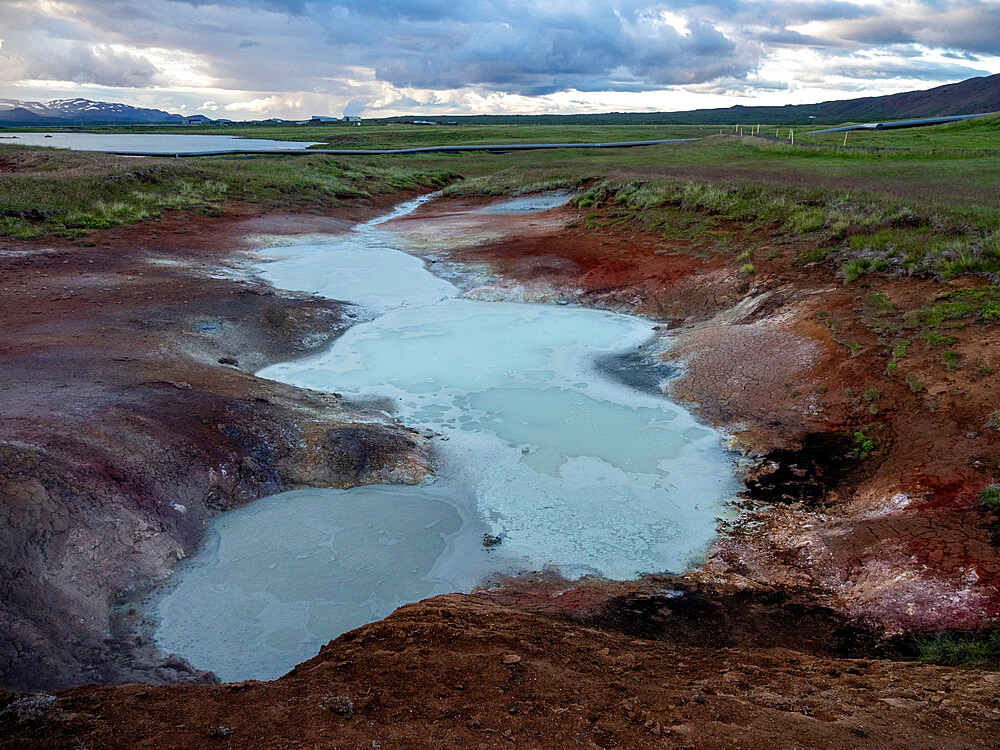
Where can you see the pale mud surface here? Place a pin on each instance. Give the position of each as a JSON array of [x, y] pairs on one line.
[[760, 650], [566, 469], [897, 540], [130, 418]]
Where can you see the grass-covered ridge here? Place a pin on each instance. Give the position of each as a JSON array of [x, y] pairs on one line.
[[66, 193], [857, 233]]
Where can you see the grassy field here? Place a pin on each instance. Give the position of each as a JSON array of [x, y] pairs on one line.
[[918, 212], [47, 191], [980, 133], [393, 135]]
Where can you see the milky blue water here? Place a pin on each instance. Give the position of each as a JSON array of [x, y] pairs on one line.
[[572, 471]]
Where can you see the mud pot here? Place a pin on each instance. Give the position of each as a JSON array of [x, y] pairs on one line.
[[539, 451]]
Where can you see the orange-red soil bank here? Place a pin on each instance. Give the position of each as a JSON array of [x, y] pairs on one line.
[[130, 417], [783, 638]]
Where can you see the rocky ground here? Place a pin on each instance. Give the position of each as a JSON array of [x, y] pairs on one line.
[[130, 417], [461, 671], [790, 635], [791, 363]]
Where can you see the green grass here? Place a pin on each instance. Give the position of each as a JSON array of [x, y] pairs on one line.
[[915, 385], [855, 269], [879, 302], [898, 354], [989, 498], [904, 213], [980, 133], [967, 650], [864, 443], [935, 338], [378, 135], [70, 193], [963, 304], [19, 228]]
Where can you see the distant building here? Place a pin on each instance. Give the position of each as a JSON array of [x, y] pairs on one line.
[[197, 120], [352, 118], [323, 118]]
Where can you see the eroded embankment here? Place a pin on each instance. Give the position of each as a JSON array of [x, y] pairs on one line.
[[458, 671], [862, 478], [756, 650], [130, 417]]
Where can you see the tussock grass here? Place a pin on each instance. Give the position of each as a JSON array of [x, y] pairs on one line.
[[969, 650], [69, 193], [864, 234], [511, 183]]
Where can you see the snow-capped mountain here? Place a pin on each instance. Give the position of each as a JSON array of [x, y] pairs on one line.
[[68, 111]]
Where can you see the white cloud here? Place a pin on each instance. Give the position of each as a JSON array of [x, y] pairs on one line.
[[294, 58]]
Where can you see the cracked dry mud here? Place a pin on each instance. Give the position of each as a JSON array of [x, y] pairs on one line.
[[782, 638]]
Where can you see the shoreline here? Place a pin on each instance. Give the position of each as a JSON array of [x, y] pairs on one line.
[[753, 611], [210, 435]]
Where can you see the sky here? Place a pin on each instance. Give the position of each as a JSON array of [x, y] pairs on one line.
[[247, 59]]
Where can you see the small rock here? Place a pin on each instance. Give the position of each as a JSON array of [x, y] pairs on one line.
[[338, 704], [229, 361], [490, 540], [511, 659], [220, 731]]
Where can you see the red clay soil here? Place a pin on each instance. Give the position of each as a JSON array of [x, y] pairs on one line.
[[788, 362], [458, 671], [780, 640]]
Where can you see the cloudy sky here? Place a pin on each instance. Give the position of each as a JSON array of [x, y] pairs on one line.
[[295, 58]]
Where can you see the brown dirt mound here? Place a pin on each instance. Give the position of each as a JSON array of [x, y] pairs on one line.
[[460, 672]]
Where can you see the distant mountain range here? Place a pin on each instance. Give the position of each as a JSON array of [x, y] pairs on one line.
[[971, 96], [79, 112], [967, 97]]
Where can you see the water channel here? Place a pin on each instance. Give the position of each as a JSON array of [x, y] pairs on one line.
[[572, 469]]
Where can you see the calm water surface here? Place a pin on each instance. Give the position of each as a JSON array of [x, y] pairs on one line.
[[161, 143]]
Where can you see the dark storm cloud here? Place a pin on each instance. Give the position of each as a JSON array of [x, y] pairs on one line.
[[528, 47], [911, 69], [961, 26], [512, 45], [92, 64]]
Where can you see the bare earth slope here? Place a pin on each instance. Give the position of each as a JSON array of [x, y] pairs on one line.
[[121, 432], [783, 639], [461, 672]]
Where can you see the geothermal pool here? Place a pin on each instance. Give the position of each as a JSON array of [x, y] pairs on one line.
[[574, 471]]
